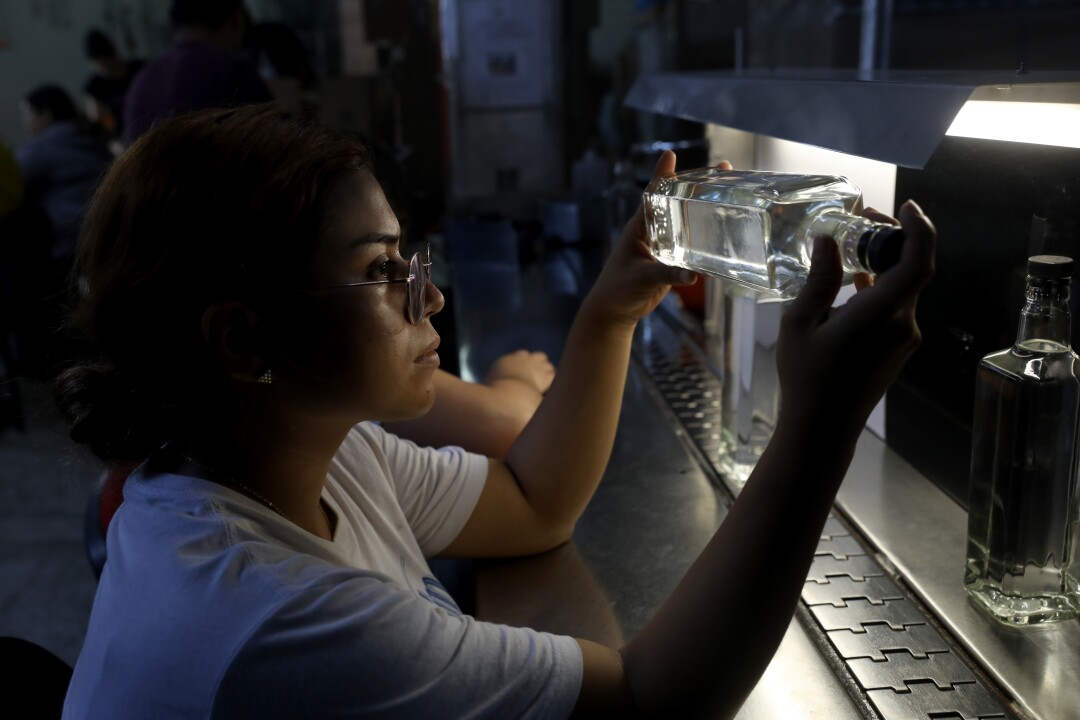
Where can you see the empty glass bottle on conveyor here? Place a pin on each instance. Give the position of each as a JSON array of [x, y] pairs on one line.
[[1023, 504], [757, 228]]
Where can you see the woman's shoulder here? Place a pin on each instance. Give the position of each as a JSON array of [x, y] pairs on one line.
[[370, 446], [369, 441], [176, 525]]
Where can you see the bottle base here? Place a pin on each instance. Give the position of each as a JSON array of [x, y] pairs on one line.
[[1022, 610], [735, 473]]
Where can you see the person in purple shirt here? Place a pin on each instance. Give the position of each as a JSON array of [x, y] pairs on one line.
[[204, 67]]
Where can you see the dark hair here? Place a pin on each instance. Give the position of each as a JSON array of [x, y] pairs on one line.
[[210, 14], [54, 100], [99, 46], [209, 206]]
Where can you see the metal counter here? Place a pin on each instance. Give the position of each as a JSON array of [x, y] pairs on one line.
[[653, 513], [884, 629], [923, 535]]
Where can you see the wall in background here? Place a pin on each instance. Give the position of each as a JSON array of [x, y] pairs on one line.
[[41, 41]]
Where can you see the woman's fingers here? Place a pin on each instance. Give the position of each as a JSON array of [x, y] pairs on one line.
[[878, 216], [634, 230], [822, 284], [665, 165], [916, 265], [898, 288]]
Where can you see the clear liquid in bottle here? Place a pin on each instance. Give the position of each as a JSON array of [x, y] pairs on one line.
[[1023, 502], [757, 228]]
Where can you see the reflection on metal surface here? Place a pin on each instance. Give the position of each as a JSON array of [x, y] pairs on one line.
[[840, 547], [900, 665], [925, 700], [873, 641], [901, 669], [857, 568], [859, 612], [923, 532], [874, 589]]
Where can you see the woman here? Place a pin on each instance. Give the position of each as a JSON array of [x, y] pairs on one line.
[[244, 287]]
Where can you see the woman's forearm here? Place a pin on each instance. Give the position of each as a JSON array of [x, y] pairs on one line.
[[710, 643], [561, 455]]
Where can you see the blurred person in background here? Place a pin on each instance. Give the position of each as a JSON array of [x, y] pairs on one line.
[[60, 164], [285, 65], [204, 67], [108, 84], [61, 161]]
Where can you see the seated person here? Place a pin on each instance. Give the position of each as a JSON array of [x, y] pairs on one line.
[[61, 162], [270, 558]]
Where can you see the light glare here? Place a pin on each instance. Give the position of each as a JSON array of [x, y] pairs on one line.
[[1027, 122]]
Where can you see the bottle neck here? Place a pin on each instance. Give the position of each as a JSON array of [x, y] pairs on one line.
[[847, 230], [1046, 312]]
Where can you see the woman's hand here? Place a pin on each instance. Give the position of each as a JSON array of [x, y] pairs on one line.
[[836, 363], [532, 369], [633, 282]]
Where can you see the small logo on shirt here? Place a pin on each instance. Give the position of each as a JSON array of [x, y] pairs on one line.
[[436, 593]]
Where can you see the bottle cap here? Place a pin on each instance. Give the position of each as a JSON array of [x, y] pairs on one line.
[[1050, 267], [879, 248]]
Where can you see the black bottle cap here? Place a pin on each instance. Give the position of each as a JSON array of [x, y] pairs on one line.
[[1050, 267], [879, 248]]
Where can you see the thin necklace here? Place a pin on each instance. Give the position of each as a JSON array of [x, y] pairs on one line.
[[257, 495]]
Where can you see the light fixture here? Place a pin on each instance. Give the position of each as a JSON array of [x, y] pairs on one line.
[[1039, 114], [897, 117]]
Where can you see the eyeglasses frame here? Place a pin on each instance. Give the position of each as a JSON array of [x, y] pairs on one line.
[[417, 289]]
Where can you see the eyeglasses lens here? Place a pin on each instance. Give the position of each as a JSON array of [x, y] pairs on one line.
[[418, 276]]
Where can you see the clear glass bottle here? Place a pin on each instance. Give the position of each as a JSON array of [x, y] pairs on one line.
[[757, 228], [1022, 510], [745, 329]]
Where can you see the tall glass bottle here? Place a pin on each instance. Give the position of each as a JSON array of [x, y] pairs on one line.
[[1022, 511], [757, 228]]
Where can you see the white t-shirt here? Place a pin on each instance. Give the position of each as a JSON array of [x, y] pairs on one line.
[[213, 606]]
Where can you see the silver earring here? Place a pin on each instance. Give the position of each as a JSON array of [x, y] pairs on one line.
[[266, 378]]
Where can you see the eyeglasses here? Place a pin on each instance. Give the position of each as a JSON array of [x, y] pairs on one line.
[[417, 281]]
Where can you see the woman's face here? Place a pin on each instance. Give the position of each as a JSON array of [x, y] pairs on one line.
[[352, 351]]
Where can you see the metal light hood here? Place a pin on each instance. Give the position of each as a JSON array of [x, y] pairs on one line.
[[898, 117]]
